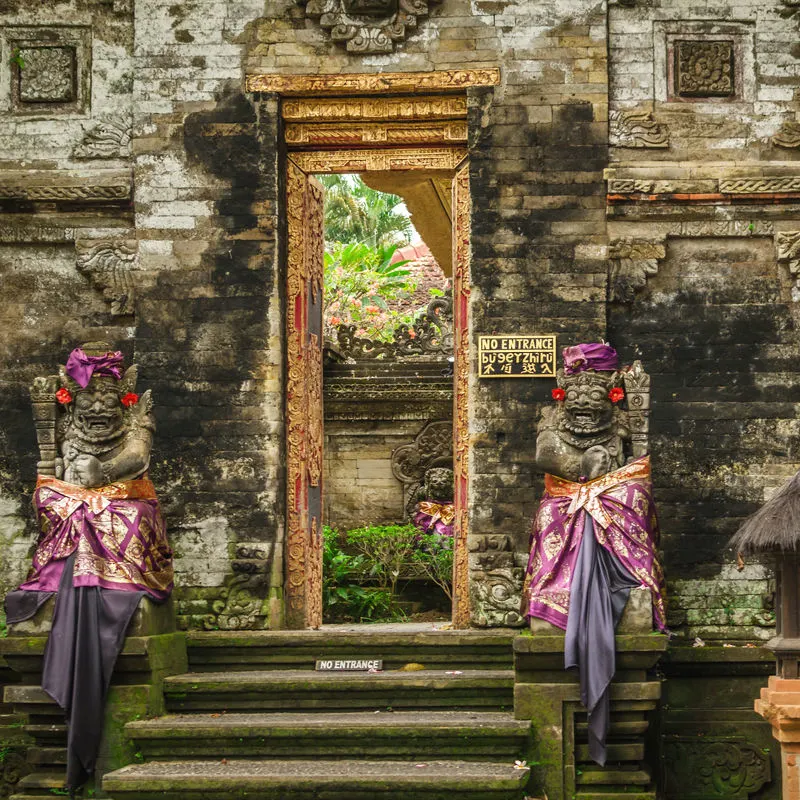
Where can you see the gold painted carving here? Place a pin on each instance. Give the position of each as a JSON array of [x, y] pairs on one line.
[[380, 160], [366, 109], [462, 211], [304, 198], [392, 133], [364, 83]]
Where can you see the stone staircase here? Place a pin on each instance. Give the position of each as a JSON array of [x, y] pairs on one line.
[[254, 720]]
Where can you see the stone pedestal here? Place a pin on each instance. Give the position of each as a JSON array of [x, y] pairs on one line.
[[549, 696], [779, 704], [153, 650]]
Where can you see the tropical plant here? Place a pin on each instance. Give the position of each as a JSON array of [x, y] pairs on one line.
[[433, 558], [355, 213], [386, 550], [361, 284], [342, 596]]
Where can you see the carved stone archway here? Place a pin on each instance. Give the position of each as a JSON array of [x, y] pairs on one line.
[[389, 141]]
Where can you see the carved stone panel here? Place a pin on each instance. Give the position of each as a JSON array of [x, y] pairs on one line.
[[108, 266], [700, 768], [367, 26], [704, 68], [46, 74], [49, 69]]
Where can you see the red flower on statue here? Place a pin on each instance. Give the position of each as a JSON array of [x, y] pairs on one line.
[[130, 399], [558, 394], [63, 396], [616, 394]]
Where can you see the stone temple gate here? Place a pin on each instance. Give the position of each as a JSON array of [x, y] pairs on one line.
[[623, 170]]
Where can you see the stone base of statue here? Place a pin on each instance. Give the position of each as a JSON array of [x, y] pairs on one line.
[[544, 692], [153, 650]]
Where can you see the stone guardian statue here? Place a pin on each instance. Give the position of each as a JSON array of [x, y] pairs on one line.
[[595, 533], [102, 544]]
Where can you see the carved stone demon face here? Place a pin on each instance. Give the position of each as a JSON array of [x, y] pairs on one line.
[[439, 483], [371, 8], [587, 409], [98, 413]]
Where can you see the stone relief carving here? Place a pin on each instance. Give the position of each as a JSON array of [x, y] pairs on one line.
[[430, 334], [788, 135], [632, 262], [787, 245], [790, 9], [494, 597], [108, 266], [112, 192], [239, 607], [46, 74], [697, 768], [433, 447], [636, 128], [367, 26], [703, 68], [655, 186], [108, 138]]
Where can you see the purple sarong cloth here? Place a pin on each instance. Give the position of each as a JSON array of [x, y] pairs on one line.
[[116, 531], [591, 543], [81, 367], [435, 516], [625, 524], [101, 550]]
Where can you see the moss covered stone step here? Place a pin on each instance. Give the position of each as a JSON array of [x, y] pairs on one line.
[[435, 649], [341, 691], [472, 735], [307, 780]]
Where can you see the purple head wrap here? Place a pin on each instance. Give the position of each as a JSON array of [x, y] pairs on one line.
[[81, 367], [600, 357]]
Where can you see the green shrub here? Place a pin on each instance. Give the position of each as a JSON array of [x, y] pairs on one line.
[[386, 549], [433, 558]]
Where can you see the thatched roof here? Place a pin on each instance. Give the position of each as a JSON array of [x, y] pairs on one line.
[[775, 526]]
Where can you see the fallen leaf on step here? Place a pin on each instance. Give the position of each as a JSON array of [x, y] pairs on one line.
[[420, 765], [224, 761], [412, 667], [454, 672], [698, 642]]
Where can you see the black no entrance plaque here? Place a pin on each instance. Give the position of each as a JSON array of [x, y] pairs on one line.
[[512, 356]]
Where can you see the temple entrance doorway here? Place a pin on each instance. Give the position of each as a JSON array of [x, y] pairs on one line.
[[387, 399], [315, 346]]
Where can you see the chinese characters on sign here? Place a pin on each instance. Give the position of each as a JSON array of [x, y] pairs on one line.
[[517, 356]]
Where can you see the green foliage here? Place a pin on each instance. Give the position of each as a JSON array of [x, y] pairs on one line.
[[343, 597], [433, 558], [361, 283], [354, 213], [386, 549], [16, 58]]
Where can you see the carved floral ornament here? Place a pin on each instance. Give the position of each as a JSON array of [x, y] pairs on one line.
[[367, 26], [634, 127]]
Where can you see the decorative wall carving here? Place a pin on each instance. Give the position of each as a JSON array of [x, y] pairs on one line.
[[636, 128], [433, 447], [108, 138], [632, 261], [46, 74], [241, 601], [495, 597], [50, 68], [430, 334], [13, 767], [379, 83], [402, 133], [462, 257], [697, 768], [704, 68], [384, 109], [76, 194], [787, 245], [702, 188], [108, 265], [367, 26], [380, 160], [788, 135], [790, 9]]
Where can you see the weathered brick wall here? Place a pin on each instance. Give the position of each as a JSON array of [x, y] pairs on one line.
[[360, 488], [716, 325], [204, 254]]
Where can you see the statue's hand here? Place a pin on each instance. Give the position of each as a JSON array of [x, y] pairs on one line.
[[88, 470], [46, 467]]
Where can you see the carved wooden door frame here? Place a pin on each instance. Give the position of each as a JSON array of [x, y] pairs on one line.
[[304, 370]]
